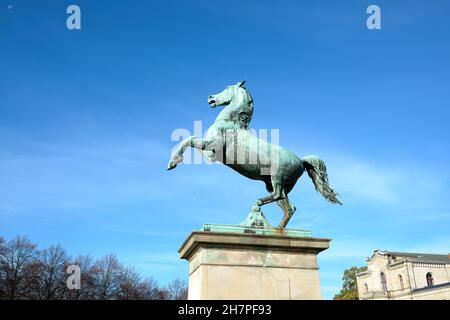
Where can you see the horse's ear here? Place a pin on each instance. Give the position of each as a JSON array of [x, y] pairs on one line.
[[241, 83]]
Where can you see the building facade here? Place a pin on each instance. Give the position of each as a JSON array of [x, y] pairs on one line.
[[405, 276]]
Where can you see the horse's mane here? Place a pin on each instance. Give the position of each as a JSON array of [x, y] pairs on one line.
[[249, 96], [248, 108]]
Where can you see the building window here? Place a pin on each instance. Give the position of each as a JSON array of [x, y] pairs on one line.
[[400, 279], [366, 288], [383, 281], [430, 280]]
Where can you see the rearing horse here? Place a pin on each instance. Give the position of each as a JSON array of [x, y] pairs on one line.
[[230, 141]]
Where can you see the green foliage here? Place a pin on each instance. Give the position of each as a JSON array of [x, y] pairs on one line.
[[349, 289]]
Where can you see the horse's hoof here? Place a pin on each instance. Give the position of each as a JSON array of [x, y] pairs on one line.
[[256, 208], [171, 165]]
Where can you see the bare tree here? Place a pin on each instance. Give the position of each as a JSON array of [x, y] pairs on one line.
[[128, 285], [16, 261], [26, 273], [149, 290], [2, 271], [177, 290], [87, 290], [106, 272], [51, 277]]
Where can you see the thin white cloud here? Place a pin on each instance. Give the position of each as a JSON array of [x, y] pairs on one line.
[[359, 249], [157, 257], [355, 249], [438, 245], [151, 263], [396, 184], [80, 177], [137, 231], [361, 180]]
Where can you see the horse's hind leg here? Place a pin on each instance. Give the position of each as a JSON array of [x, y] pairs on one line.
[[288, 210], [276, 195], [280, 196]]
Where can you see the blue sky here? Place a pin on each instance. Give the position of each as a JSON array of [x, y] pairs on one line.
[[86, 118]]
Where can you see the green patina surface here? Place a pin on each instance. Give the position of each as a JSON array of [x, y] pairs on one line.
[[256, 223], [231, 141]]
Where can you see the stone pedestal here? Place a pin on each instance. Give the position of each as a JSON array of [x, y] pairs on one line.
[[248, 265]]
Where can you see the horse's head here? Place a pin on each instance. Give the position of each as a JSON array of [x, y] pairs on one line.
[[227, 95]]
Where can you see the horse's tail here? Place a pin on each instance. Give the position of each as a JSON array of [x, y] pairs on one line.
[[317, 171]]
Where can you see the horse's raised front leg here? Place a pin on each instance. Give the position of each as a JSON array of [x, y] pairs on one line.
[[194, 142]]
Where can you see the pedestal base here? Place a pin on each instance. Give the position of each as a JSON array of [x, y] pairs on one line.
[[252, 266]]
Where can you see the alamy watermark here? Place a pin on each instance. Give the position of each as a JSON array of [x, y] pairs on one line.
[[229, 146], [74, 280], [73, 21], [373, 22]]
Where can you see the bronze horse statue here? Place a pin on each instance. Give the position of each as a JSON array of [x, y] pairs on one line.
[[231, 141]]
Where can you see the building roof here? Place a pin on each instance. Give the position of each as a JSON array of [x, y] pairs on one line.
[[408, 256], [420, 257], [413, 257]]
